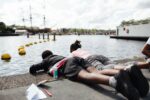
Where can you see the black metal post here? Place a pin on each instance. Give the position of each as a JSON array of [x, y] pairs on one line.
[[47, 35], [27, 35], [54, 36], [39, 36], [43, 36]]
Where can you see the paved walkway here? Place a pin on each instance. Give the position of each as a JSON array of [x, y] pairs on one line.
[[68, 90]]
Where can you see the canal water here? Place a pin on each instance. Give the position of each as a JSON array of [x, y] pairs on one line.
[[115, 49]]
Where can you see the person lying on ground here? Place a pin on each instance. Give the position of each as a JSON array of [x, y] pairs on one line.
[[99, 61], [131, 83], [96, 60]]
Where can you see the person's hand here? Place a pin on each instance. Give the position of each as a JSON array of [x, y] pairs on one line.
[[148, 60]]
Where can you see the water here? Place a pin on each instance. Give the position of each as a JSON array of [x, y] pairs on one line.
[[96, 44]]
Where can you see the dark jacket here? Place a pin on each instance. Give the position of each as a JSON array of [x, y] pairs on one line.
[[46, 64]]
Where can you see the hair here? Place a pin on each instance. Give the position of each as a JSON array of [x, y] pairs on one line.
[[46, 53], [75, 46]]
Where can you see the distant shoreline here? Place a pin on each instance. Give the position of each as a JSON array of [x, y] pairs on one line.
[[9, 34]]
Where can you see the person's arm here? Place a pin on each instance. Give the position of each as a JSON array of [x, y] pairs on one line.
[[35, 68], [146, 50]]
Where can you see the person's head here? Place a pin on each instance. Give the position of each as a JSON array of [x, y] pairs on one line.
[[77, 42], [75, 46], [46, 53]]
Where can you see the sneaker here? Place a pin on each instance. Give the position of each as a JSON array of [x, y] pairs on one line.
[[125, 87], [138, 80]]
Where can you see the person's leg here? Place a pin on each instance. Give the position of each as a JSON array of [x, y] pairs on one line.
[[140, 65], [97, 66], [101, 59], [119, 67], [75, 67], [98, 60], [143, 65], [95, 62], [121, 82], [95, 78], [137, 78], [109, 72]]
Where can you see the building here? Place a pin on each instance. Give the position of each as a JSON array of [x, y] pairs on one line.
[[140, 31], [21, 32]]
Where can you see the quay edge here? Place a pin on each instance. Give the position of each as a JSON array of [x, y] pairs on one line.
[[144, 38]]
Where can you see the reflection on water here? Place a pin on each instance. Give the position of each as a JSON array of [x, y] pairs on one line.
[[112, 48]]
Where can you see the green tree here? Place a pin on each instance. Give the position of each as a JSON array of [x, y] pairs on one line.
[[2, 27]]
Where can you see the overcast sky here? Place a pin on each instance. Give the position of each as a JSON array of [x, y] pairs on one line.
[[101, 14]]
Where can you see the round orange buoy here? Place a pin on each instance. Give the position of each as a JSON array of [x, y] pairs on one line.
[[31, 43], [22, 52], [6, 56], [40, 41], [44, 40], [27, 45], [35, 42]]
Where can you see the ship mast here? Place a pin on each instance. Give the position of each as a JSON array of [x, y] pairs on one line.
[[23, 19], [30, 15], [22, 11], [44, 18]]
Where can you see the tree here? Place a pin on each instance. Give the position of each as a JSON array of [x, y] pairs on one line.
[[2, 27], [10, 30]]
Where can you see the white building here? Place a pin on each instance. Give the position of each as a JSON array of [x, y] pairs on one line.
[[141, 30], [21, 32]]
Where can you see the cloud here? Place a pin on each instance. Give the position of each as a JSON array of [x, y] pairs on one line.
[[144, 5], [74, 13]]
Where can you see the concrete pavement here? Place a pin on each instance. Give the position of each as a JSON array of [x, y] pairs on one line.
[[68, 90]]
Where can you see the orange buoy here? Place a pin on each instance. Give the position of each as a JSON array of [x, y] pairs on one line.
[[6, 56], [22, 52]]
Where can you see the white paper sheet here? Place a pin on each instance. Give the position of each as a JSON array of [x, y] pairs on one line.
[[34, 93]]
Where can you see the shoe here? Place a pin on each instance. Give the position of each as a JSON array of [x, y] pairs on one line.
[[125, 87], [138, 80]]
